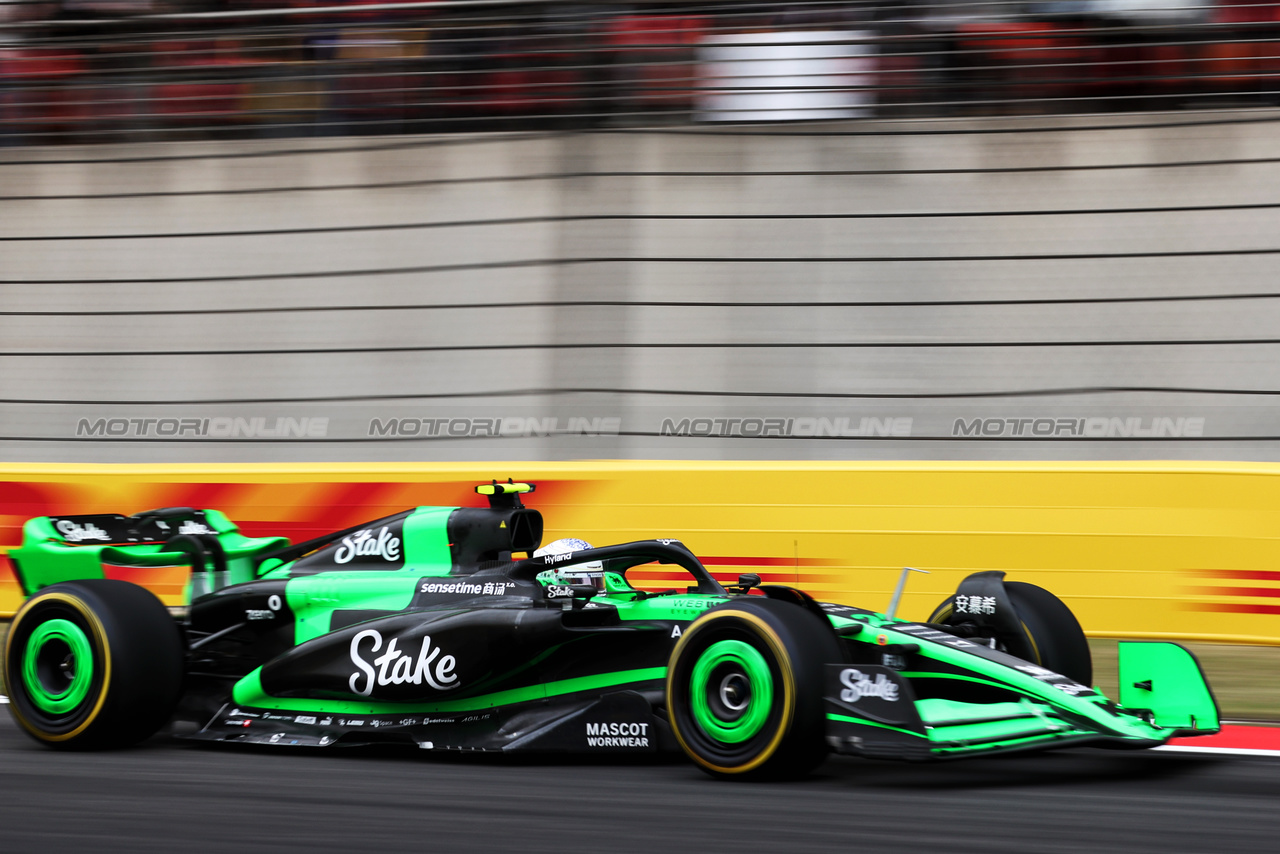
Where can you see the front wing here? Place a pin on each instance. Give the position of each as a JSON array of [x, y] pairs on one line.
[[873, 711]]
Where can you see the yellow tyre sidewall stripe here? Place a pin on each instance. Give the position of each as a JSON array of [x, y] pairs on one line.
[[766, 633], [99, 638]]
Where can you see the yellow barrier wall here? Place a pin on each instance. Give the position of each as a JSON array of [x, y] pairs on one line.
[[1170, 550]]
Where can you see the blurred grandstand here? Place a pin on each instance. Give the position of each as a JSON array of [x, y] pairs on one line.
[[84, 71]]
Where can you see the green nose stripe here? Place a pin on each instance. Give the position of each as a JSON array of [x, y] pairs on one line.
[[731, 656], [57, 667]]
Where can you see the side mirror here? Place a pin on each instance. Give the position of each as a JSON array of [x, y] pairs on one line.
[[746, 581]]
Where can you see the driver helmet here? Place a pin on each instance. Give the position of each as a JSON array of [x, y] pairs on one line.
[[591, 572]]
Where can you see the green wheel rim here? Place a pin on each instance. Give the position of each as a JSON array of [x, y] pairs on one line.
[[722, 661], [57, 666]]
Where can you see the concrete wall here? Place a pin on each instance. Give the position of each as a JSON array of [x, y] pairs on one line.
[[68, 245]]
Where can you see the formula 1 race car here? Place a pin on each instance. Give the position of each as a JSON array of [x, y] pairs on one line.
[[422, 629]]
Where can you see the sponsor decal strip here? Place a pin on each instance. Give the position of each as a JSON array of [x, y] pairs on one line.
[[397, 668], [857, 685], [864, 722], [615, 734], [248, 692], [489, 588], [963, 678], [362, 543], [74, 533]]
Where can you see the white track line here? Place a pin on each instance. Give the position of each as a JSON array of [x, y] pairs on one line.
[[1226, 751]]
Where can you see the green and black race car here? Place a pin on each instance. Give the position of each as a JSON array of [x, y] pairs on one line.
[[421, 629]]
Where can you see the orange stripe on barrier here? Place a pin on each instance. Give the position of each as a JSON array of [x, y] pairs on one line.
[[1232, 608], [1241, 574], [1264, 592], [766, 561]]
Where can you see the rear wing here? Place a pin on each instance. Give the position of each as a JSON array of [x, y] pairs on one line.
[[113, 529], [70, 548]]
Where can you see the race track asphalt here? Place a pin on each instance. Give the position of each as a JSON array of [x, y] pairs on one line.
[[167, 796]]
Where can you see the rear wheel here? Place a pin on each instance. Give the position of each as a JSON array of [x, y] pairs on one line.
[[1051, 635], [744, 690], [92, 664]]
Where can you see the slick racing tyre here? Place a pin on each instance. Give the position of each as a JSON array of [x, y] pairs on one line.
[[1051, 635], [92, 664], [744, 690]]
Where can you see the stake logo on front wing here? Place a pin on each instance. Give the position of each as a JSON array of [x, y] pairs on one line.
[[394, 667], [858, 685]]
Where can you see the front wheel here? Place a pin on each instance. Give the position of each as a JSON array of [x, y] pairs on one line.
[[744, 690], [92, 664], [1049, 634]]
